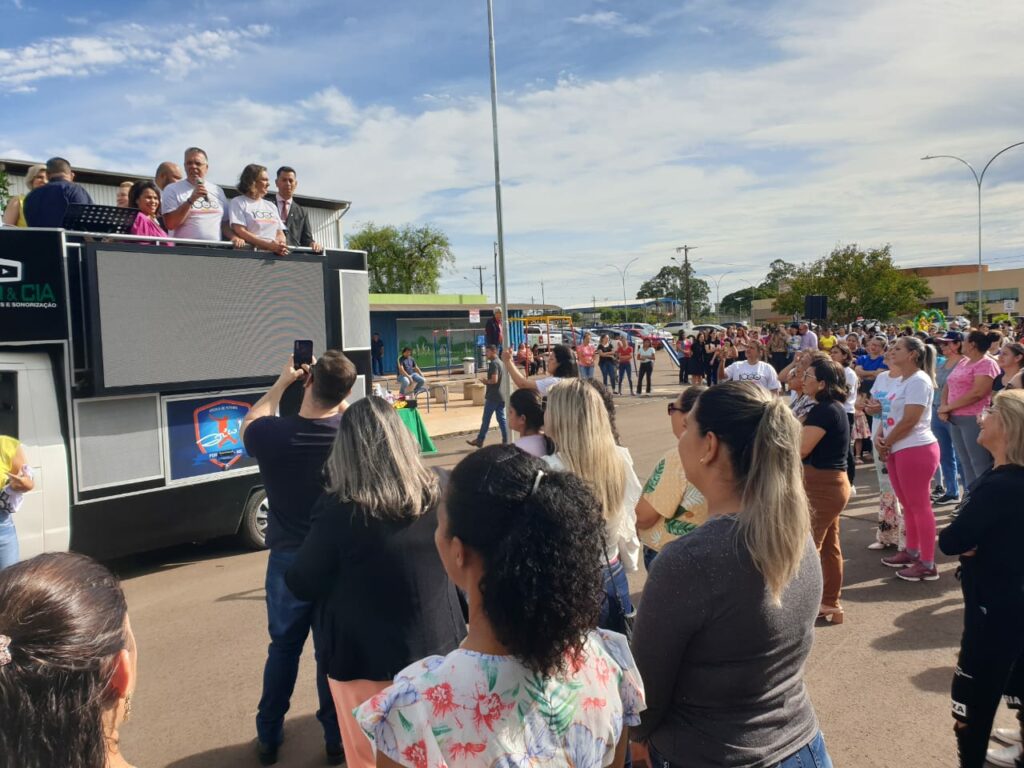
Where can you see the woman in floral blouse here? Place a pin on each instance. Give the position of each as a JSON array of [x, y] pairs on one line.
[[533, 682]]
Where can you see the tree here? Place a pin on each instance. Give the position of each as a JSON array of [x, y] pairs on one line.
[[779, 272], [406, 260], [738, 302], [5, 188], [670, 281], [856, 282]]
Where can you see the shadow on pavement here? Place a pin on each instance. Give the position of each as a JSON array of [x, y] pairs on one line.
[[303, 747], [936, 625], [178, 556], [258, 594], [935, 680]]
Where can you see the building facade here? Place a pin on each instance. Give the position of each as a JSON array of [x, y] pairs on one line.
[[955, 285]]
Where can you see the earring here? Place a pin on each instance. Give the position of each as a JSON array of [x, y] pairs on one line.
[[127, 708]]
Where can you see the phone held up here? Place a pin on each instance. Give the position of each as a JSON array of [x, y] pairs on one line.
[[303, 353]]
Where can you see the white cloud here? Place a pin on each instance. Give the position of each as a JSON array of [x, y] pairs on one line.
[[611, 20], [172, 52]]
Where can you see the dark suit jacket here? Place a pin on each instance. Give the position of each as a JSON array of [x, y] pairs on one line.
[[297, 227]]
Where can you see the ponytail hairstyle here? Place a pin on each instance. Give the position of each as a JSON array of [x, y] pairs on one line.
[[566, 367], [65, 615], [529, 404], [924, 355], [536, 531], [762, 438], [983, 340], [577, 420]]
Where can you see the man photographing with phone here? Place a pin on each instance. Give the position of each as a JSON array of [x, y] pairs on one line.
[[291, 451]]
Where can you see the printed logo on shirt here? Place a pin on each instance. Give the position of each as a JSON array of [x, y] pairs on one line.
[[263, 215], [205, 205], [749, 377]]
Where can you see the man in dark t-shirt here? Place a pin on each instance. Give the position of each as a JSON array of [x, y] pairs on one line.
[[291, 451], [377, 354], [46, 205], [494, 402]]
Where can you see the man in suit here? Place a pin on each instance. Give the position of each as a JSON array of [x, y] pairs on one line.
[[293, 215]]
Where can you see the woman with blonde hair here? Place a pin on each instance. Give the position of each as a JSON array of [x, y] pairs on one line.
[[987, 535], [577, 420], [370, 560], [723, 663], [14, 213]]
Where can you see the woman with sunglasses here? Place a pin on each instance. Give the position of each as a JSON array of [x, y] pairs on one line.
[[670, 506], [987, 535]]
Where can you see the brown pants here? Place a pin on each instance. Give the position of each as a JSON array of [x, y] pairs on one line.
[[828, 490]]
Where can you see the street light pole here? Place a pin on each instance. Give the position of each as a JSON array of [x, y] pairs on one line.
[[497, 298], [978, 179], [622, 274], [718, 297]]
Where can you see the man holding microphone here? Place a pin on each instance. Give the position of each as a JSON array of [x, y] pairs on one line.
[[195, 209]]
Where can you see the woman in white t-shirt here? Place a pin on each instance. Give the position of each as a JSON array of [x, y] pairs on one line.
[[911, 454], [754, 368], [841, 354], [253, 218], [577, 420], [561, 364]]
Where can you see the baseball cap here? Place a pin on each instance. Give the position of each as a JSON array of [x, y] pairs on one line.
[[953, 336]]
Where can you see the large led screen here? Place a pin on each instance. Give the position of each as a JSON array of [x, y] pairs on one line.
[[169, 317]]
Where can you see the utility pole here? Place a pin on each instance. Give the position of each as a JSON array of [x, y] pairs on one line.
[[685, 249], [497, 298], [480, 270], [543, 303]]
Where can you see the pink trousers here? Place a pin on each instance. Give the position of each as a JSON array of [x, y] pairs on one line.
[[347, 696], [910, 472]]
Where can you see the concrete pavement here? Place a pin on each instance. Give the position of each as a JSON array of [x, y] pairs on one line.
[[879, 682]]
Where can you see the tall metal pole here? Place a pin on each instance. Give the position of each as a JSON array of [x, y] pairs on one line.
[[978, 179], [497, 297], [481, 271], [622, 274], [497, 168]]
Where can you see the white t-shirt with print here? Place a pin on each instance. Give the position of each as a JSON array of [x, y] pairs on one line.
[[916, 389], [205, 218], [759, 373], [259, 217], [852, 382]]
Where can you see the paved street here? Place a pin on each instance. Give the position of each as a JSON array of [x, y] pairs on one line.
[[879, 682]]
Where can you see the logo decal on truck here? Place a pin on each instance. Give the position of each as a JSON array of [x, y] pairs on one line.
[[10, 271], [218, 431]]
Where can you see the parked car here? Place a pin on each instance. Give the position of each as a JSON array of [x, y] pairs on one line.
[[676, 326], [642, 331], [707, 327]]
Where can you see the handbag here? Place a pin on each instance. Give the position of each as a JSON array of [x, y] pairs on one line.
[[626, 619]]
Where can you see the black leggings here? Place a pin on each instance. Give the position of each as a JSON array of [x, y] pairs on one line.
[[646, 369], [851, 468], [990, 665]]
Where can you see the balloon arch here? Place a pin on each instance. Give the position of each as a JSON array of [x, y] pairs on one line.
[[931, 316]]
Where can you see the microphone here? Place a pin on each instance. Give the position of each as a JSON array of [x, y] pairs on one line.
[[200, 182]]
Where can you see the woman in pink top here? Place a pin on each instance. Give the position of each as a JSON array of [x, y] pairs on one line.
[[585, 357], [145, 196], [967, 393]]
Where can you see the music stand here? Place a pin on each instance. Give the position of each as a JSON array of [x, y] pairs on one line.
[[105, 219]]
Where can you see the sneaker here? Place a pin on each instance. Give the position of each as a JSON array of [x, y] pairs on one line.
[[899, 560], [876, 545], [853, 491], [1004, 756], [1008, 736], [946, 498], [917, 572]]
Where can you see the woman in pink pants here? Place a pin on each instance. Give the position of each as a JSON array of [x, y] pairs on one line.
[[911, 453]]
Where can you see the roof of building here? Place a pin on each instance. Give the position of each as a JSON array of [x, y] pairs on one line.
[[592, 305], [113, 178]]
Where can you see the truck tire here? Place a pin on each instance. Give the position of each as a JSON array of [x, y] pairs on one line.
[[252, 532]]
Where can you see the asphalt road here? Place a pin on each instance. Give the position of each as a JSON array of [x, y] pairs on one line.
[[879, 682]]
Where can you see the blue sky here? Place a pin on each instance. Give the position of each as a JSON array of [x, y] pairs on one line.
[[755, 130]]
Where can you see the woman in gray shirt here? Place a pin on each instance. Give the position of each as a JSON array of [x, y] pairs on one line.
[[726, 618]]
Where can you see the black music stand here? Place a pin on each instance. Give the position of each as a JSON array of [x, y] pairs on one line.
[[105, 219]]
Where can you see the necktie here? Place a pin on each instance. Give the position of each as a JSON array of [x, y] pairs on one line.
[[284, 210]]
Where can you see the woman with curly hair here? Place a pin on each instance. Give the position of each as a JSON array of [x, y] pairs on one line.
[[533, 682], [67, 664], [727, 615], [253, 218]]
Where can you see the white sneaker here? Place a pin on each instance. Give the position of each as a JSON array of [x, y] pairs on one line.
[[1005, 757], [853, 491], [876, 545], [1007, 735]]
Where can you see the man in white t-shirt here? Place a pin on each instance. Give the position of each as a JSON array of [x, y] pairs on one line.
[[194, 208], [752, 369], [808, 338]]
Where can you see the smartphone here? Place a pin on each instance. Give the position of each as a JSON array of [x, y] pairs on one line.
[[303, 353]]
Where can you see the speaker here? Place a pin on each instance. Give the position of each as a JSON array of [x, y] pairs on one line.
[[816, 307]]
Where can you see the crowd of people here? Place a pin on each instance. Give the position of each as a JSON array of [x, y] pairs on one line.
[[483, 616], [179, 204]]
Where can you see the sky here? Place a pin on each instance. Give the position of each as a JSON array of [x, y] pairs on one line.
[[750, 130]]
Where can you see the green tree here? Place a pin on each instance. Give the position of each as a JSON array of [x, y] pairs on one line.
[[403, 260], [779, 272], [738, 302], [670, 282], [5, 188], [856, 282]]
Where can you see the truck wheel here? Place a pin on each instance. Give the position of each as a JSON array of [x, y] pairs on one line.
[[253, 530]]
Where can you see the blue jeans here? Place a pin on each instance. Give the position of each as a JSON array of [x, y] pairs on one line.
[[405, 381], [586, 371], [378, 366], [626, 370], [649, 555], [813, 755], [8, 541], [974, 458], [616, 592], [498, 409], [952, 471], [289, 621], [608, 373]]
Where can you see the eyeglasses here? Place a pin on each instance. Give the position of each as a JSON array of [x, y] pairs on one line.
[[673, 408]]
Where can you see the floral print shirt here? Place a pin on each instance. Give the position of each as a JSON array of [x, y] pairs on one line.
[[469, 710]]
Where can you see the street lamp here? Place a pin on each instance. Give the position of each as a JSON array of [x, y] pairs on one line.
[[978, 180], [718, 297], [622, 274]]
